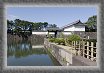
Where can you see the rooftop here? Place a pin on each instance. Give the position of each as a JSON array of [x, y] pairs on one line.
[[78, 22], [53, 29]]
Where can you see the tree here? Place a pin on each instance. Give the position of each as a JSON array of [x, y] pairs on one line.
[[45, 25], [52, 25], [92, 20], [10, 27], [26, 25], [73, 37], [91, 24], [10, 24]]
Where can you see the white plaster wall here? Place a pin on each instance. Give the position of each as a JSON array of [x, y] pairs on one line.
[[67, 33], [71, 28], [75, 28], [51, 33], [42, 33], [79, 28], [39, 33]]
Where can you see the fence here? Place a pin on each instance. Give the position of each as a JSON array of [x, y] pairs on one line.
[[85, 48]]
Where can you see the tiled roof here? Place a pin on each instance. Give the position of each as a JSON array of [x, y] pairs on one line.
[[53, 29], [73, 23]]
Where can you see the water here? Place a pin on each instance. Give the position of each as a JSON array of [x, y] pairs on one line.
[[25, 53]]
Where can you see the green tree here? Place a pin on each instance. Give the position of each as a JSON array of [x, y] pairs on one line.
[[26, 25], [10, 24], [73, 37], [92, 20], [91, 24], [45, 25], [52, 25]]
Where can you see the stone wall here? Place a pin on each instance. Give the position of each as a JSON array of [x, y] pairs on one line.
[[65, 57], [34, 39], [62, 55], [87, 35], [37, 39]]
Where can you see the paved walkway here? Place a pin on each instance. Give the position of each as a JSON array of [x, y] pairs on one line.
[[81, 61]]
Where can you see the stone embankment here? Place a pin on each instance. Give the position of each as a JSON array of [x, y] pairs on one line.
[[65, 56]]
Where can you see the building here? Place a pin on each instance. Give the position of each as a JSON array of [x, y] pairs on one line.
[[75, 26], [79, 28], [53, 31]]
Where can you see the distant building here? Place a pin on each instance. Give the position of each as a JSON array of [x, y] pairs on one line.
[[75, 26]]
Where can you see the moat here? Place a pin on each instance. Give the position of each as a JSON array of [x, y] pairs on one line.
[[29, 53]]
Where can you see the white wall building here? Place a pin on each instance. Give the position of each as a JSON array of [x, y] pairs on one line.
[[66, 30], [75, 26]]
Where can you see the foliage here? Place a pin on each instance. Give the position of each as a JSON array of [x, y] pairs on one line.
[[57, 40], [16, 26], [10, 24], [62, 35], [73, 37], [50, 50], [92, 20], [60, 41], [52, 25], [26, 25], [91, 24], [52, 40], [90, 40], [68, 42]]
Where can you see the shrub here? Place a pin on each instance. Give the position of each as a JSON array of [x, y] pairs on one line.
[[68, 42], [60, 41], [51, 39], [90, 40], [62, 35], [73, 37]]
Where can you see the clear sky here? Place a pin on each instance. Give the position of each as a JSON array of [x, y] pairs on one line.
[[53, 15]]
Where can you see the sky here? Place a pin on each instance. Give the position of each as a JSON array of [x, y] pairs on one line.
[[60, 16]]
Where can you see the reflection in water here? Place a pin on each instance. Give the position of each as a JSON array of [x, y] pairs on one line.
[[22, 53]]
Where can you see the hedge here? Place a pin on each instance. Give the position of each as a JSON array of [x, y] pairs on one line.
[[51, 39], [60, 41], [73, 37]]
